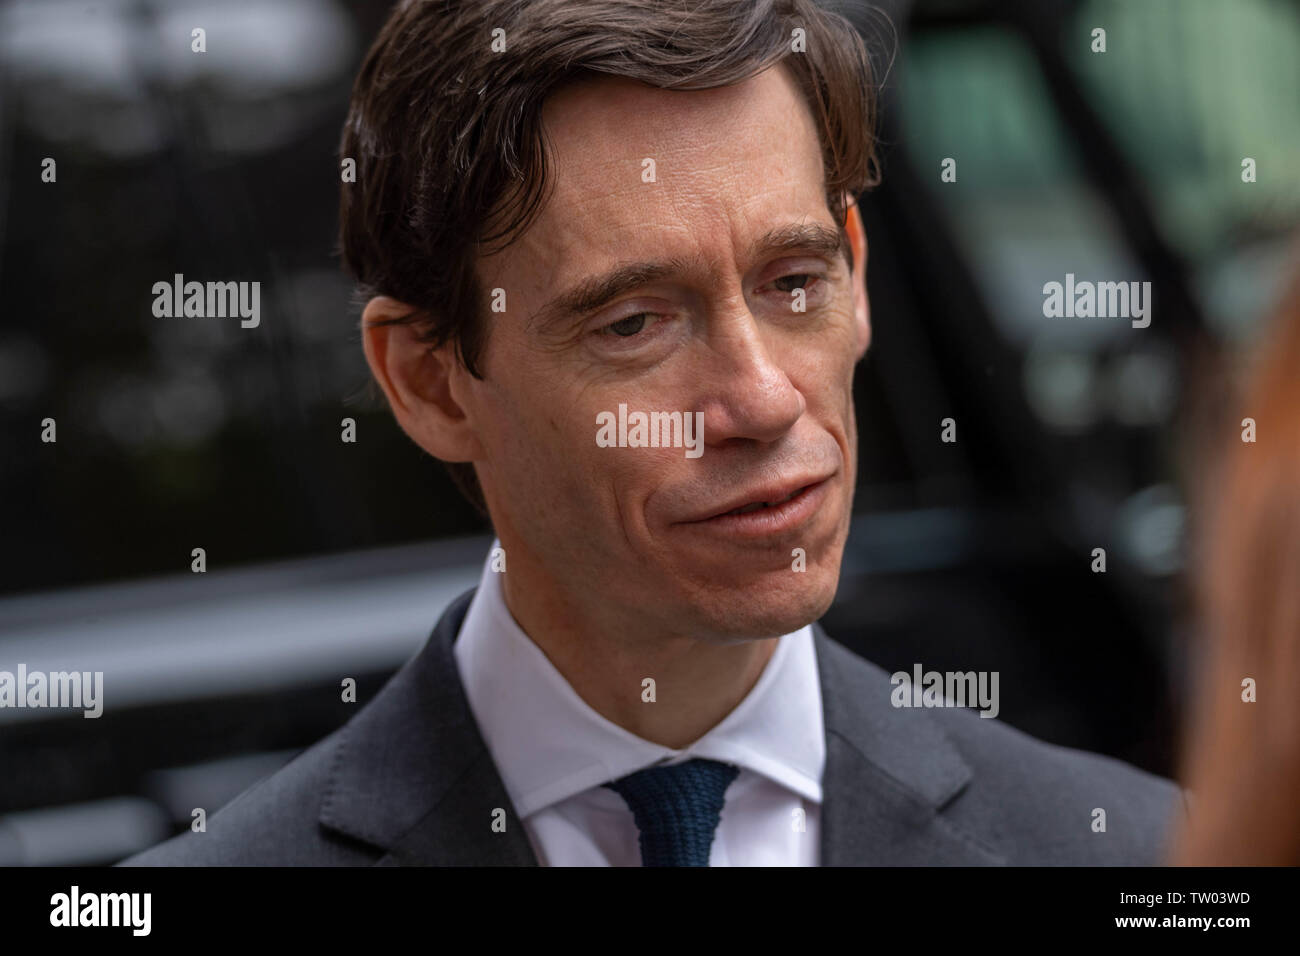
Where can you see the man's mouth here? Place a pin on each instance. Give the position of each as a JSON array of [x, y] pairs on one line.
[[774, 497], [759, 505], [763, 514]]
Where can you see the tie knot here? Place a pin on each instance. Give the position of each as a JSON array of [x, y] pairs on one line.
[[677, 808]]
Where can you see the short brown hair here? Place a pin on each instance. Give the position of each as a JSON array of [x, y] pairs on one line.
[[447, 139]]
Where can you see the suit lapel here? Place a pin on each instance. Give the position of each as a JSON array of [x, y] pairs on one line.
[[457, 830], [889, 773], [412, 775]]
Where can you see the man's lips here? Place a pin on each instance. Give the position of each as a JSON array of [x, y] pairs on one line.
[[758, 499]]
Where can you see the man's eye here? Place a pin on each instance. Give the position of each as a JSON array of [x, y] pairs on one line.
[[625, 328], [796, 281]]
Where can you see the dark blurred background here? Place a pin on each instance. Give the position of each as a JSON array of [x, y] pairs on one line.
[[328, 559]]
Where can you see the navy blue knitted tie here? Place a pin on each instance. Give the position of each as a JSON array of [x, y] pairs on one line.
[[677, 808]]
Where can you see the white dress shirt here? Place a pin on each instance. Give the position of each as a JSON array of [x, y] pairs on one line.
[[553, 751]]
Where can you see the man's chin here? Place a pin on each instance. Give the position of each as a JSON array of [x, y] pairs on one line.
[[764, 610]]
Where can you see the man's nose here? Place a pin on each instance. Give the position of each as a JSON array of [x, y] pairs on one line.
[[747, 393]]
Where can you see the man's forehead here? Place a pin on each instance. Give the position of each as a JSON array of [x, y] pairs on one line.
[[597, 125], [681, 173]]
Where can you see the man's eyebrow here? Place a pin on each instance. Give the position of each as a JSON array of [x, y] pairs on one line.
[[807, 237], [595, 291]]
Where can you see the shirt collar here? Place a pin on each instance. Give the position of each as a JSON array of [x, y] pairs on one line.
[[549, 744]]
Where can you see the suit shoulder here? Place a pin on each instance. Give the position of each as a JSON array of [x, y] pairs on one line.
[[272, 823], [1029, 793]]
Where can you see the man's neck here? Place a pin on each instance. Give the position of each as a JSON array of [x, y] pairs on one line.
[[607, 661]]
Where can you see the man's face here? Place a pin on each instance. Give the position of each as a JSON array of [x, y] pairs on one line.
[[733, 222]]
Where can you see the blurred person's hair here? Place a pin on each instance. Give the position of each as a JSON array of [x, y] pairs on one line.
[[447, 135], [1241, 760]]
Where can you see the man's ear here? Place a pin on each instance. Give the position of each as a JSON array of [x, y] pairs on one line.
[[425, 386], [861, 305]]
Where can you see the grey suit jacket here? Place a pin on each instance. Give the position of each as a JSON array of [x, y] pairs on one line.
[[409, 781]]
